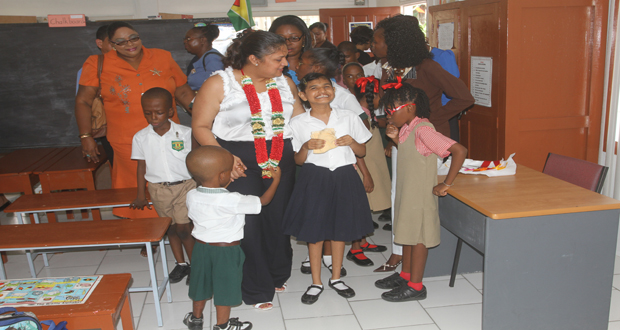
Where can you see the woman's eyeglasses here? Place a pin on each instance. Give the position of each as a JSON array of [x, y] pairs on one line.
[[133, 40], [292, 39], [391, 111]]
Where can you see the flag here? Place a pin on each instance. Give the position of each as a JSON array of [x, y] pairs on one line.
[[240, 15]]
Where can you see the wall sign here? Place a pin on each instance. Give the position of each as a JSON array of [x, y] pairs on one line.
[[481, 79], [66, 20]]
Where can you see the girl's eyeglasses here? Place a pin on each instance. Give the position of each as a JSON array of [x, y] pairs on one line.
[[124, 42], [391, 111]]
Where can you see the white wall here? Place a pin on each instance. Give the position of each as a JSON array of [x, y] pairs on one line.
[[110, 9]]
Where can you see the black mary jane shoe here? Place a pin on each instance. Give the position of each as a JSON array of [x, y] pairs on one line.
[[374, 248], [404, 293], [343, 271], [305, 269], [347, 293], [310, 299], [360, 262], [375, 225]]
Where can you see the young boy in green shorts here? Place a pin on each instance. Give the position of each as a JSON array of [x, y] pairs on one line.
[[219, 217]]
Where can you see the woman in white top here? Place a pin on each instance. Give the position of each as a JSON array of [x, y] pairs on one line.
[[246, 109]]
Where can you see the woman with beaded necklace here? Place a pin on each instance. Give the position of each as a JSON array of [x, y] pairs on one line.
[[246, 109]]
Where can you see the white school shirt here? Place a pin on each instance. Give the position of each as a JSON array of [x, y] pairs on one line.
[[164, 155], [344, 122], [218, 214], [343, 99], [373, 69]]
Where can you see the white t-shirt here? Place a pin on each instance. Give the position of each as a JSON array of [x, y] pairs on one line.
[[344, 122], [164, 155], [219, 215], [232, 123]]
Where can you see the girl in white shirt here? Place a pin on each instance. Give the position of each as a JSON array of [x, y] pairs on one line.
[[329, 201]]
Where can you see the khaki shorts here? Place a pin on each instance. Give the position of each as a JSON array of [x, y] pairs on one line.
[[169, 201]]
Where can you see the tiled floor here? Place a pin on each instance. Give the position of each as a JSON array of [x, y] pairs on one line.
[[446, 308]]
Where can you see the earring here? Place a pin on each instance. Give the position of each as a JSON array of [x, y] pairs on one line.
[[256, 64], [114, 48]]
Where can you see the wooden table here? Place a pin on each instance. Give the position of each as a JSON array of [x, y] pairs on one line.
[[548, 245], [126, 232], [108, 304]]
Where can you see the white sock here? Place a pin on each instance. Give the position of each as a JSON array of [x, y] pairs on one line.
[[306, 262], [327, 260], [182, 264], [339, 286], [314, 290]]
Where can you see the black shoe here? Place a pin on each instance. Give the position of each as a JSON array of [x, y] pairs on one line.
[[343, 272], [404, 293], [376, 225], [235, 324], [360, 262], [374, 248], [178, 273], [391, 282], [310, 299], [192, 322], [386, 215], [347, 293], [387, 226], [305, 269]]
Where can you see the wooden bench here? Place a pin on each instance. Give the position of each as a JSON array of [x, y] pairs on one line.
[[108, 304], [81, 234]]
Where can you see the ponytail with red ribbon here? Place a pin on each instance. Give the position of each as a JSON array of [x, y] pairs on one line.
[[396, 85], [362, 82]]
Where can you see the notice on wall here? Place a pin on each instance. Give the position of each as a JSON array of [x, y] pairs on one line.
[[445, 36], [66, 20], [481, 79]]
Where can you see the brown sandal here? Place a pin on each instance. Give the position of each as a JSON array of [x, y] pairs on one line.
[[387, 267]]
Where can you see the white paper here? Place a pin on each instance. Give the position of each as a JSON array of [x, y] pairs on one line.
[[445, 36], [481, 79]]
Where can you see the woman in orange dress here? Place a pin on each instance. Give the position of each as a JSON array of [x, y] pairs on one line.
[[128, 71]]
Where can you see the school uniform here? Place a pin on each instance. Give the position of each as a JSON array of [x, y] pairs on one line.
[[380, 198], [166, 172], [217, 258], [329, 201]]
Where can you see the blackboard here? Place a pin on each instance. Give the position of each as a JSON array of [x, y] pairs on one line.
[[38, 75]]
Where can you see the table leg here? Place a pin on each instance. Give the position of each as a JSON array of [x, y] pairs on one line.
[[4, 258], [126, 317], [20, 218], [154, 287], [45, 260], [164, 265], [33, 273]]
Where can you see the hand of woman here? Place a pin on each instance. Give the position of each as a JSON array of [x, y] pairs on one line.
[[238, 169], [89, 149]]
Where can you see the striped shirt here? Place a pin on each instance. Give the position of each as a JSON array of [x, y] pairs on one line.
[[427, 140]]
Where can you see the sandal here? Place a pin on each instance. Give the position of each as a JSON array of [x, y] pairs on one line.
[[265, 306], [282, 288], [387, 267]]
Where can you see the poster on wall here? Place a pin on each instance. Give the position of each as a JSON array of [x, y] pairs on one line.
[[445, 36], [481, 79], [353, 25]]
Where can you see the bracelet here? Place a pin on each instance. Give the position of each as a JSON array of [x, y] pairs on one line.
[[449, 185], [85, 135]]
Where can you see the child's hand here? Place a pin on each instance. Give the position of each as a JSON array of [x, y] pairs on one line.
[[140, 204], [238, 169], [346, 140], [276, 174], [369, 184], [391, 131], [440, 190], [388, 151], [314, 144]]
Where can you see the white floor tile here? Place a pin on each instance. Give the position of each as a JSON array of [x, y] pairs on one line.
[[415, 327], [271, 319], [441, 278], [617, 282], [77, 258], [329, 304], [67, 271], [475, 279], [173, 314], [440, 294], [463, 317], [377, 314], [617, 266], [137, 303], [179, 293], [364, 286], [344, 322], [124, 263], [614, 310], [614, 325]]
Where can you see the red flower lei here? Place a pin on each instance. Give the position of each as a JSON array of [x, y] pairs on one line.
[[258, 125]]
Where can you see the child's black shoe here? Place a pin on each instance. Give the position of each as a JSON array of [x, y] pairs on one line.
[[179, 272], [391, 282], [192, 322], [404, 293], [235, 324], [342, 289]]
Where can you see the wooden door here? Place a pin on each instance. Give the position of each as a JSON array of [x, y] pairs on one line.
[[450, 13], [554, 80], [484, 34], [339, 19]]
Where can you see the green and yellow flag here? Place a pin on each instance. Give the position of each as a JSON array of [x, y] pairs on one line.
[[240, 15]]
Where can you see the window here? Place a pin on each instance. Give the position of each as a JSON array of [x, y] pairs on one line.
[[418, 10], [263, 23]]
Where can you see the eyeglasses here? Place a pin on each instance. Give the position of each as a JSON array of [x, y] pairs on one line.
[[391, 111], [133, 40], [293, 39]]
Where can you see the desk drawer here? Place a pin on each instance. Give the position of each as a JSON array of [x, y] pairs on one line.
[[463, 221]]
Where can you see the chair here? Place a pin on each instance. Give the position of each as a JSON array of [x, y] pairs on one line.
[[579, 172]]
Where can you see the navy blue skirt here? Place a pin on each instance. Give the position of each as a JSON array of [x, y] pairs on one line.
[[328, 205]]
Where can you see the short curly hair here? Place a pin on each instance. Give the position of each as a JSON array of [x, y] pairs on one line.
[[361, 35], [406, 43]]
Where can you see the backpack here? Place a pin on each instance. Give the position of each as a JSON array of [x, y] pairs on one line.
[[11, 319]]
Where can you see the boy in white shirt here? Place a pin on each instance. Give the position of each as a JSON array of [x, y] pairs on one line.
[[219, 217], [161, 149]]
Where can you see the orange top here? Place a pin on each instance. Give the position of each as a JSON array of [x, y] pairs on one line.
[[122, 87]]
